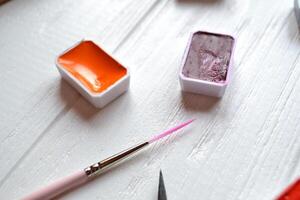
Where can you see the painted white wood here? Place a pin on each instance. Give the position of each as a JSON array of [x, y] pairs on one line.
[[243, 146]]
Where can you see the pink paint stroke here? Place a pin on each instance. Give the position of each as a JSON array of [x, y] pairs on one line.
[[170, 131]]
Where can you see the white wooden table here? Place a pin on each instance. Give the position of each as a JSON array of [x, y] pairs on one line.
[[243, 146]]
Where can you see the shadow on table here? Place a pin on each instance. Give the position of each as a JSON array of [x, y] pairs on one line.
[[82, 107], [75, 101], [293, 27], [197, 102]]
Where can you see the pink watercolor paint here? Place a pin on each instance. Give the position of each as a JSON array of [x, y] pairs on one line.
[[170, 131]]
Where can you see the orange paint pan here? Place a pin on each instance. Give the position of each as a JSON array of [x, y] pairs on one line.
[[93, 73]]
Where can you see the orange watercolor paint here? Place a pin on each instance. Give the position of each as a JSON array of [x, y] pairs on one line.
[[92, 66]]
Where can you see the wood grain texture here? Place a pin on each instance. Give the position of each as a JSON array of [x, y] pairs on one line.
[[243, 146]]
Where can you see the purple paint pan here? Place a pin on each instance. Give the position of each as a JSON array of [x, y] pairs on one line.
[[206, 66]]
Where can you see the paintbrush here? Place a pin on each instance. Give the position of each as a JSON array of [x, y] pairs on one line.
[[94, 170]]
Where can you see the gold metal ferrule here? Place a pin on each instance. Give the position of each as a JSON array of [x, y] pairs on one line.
[[99, 167]]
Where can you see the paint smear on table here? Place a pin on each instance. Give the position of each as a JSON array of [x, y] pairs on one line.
[[92, 66], [208, 57]]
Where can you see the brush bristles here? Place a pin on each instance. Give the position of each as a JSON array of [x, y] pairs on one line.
[[170, 131]]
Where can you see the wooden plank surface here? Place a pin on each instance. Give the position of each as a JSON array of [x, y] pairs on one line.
[[243, 146]]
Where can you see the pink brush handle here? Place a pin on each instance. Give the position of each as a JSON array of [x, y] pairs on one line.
[[58, 187]]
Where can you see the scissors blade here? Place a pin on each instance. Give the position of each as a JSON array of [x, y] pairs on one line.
[[162, 195]]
